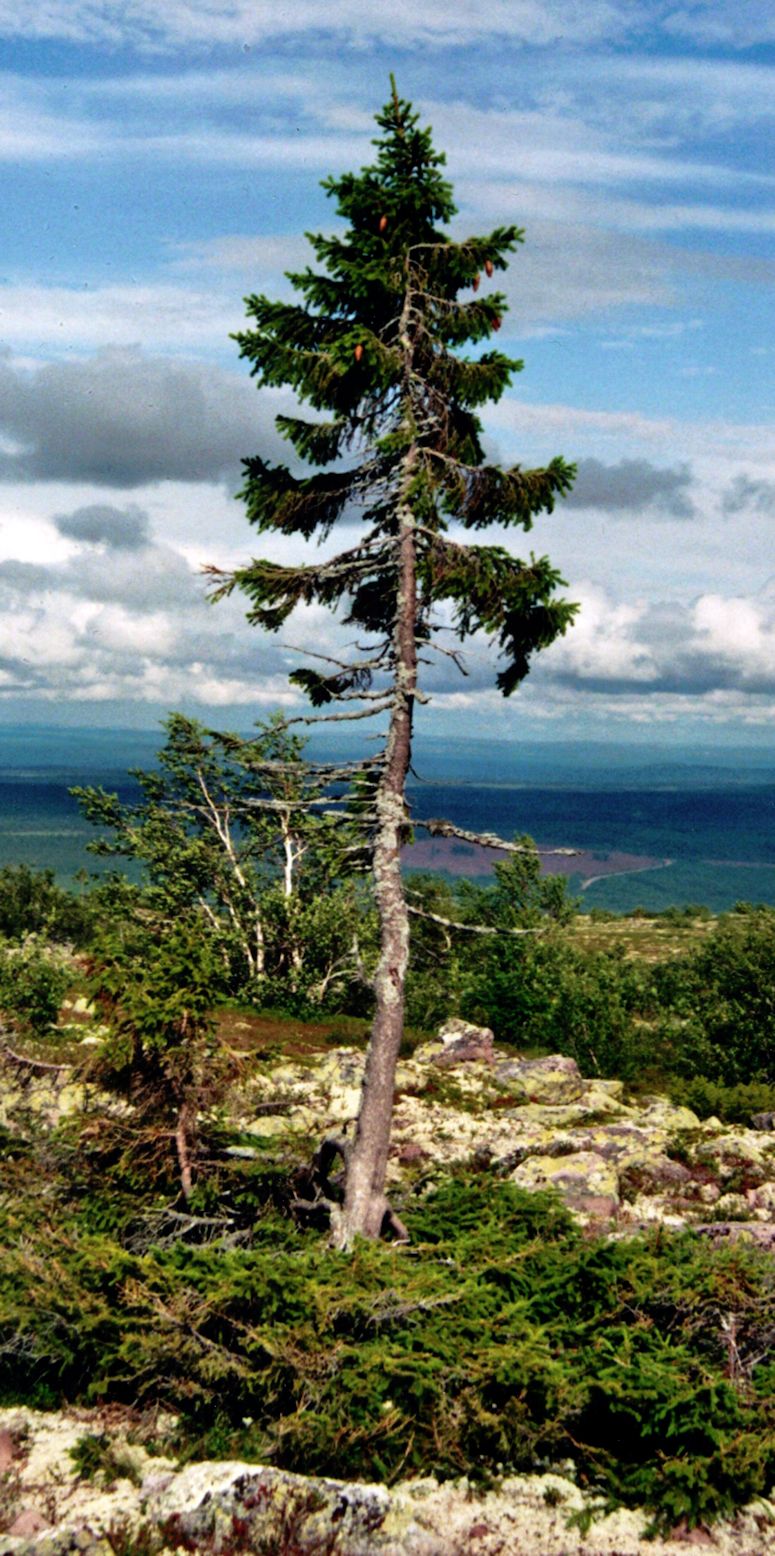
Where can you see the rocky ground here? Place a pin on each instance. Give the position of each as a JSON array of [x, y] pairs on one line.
[[620, 1163], [143, 1505]]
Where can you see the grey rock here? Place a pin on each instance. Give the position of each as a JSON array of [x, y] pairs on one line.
[[464, 1044], [763, 1121]]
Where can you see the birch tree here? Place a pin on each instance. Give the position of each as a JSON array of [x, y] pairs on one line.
[[240, 832], [386, 343]]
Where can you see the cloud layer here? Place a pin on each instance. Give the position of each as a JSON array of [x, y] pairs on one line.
[[122, 419], [126, 617], [246, 22], [162, 160], [633, 485], [716, 643]]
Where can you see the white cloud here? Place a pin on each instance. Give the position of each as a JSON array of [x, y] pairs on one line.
[[693, 92], [744, 494], [569, 205], [29, 133], [111, 623], [551, 279], [570, 141], [718, 22], [561, 148], [209, 24], [739, 633], [33, 315], [716, 644], [725, 443], [128, 634], [26, 535], [660, 711], [664, 217], [259, 255], [603, 642], [108, 624]]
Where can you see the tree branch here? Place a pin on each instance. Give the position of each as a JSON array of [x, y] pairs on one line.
[[32, 1064], [438, 828], [336, 718], [470, 929]]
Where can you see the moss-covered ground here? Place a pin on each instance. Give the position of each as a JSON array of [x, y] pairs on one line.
[[644, 939]]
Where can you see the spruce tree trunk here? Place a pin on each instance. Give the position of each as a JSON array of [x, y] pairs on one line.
[[365, 1205]]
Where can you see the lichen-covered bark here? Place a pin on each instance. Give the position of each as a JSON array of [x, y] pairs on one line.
[[365, 1206]]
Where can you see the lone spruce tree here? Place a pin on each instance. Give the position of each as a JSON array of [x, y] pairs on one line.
[[375, 345]]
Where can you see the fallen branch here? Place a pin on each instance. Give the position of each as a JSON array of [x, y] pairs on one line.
[[401, 1310]]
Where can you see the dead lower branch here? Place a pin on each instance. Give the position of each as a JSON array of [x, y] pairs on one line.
[[438, 828], [470, 929], [32, 1064]]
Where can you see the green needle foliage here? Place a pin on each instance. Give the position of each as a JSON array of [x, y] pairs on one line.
[[503, 1341], [33, 982], [396, 278], [153, 982]]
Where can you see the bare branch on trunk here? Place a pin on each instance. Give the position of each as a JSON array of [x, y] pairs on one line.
[[438, 828]]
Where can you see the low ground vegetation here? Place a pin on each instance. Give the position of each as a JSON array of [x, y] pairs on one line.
[[153, 1261], [502, 1341]]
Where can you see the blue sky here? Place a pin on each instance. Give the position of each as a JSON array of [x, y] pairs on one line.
[[158, 162]]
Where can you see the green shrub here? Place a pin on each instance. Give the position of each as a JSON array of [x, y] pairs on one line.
[[547, 995], [155, 982], [501, 1340], [716, 1006], [33, 983], [31, 903], [732, 1104], [98, 1459]]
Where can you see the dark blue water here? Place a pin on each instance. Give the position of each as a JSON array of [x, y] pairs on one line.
[[720, 839], [731, 824]]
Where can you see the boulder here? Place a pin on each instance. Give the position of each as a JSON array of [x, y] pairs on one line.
[[764, 1198], [763, 1121], [464, 1043], [658, 1113], [650, 1210], [613, 1089], [586, 1182], [654, 1171], [735, 1152], [553, 1081], [222, 1508], [619, 1142]]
